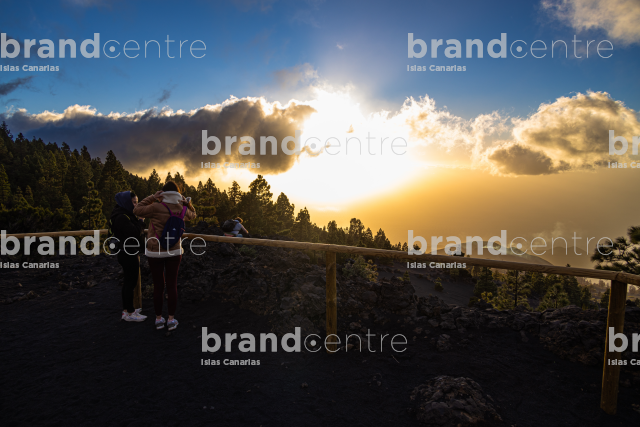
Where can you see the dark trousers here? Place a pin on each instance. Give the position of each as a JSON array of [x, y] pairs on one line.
[[131, 268], [165, 271]]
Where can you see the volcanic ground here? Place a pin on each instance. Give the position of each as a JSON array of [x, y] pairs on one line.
[[69, 359]]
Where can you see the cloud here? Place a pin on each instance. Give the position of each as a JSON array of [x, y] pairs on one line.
[[7, 88], [518, 159], [576, 129], [291, 77], [618, 18], [341, 46], [433, 126], [569, 133], [152, 139], [166, 94]]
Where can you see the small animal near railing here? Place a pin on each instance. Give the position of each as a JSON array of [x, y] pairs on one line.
[[615, 316]]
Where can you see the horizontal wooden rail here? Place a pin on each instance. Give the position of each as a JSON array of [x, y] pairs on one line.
[[619, 276], [384, 253], [58, 233]]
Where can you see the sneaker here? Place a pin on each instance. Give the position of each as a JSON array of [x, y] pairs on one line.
[[160, 323], [172, 324], [137, 310], [133, 317]]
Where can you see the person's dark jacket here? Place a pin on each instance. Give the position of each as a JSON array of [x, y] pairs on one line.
[[126, 225]]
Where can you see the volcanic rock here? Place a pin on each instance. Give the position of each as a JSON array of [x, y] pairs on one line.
[[453, 402]]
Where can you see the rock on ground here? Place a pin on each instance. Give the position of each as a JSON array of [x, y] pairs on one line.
[[453, 402]]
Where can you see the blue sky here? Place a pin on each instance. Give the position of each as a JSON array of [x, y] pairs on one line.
[[248, 41], [521, 131]]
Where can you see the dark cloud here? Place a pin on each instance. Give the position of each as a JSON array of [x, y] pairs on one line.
[[7, 88], [153, 139], [166, 94], [518, 159]]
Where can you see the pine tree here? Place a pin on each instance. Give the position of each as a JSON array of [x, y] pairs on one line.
[[367, 238], [84, 152], [4, 151], [92, 210], [438, 286], [484, 283], [604, 299], [511, 294], [153, 183], [356, 228], [112, 181], [66, 204], [381, 241], [234, 193], [623, 255], [179, 179], [5, 188], [19, 202], [333, 237], [206, 208], [28, 195], [555, 297], [302, 229], [284, 212]]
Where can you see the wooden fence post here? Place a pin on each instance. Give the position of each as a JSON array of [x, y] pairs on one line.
[[332, 303], [611, 372]]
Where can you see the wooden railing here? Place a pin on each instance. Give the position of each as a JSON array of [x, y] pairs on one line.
[[615, 316]]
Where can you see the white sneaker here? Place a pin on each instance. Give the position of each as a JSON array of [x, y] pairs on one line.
[[133, 317], [137, 310], [172, 324], [160, 323]]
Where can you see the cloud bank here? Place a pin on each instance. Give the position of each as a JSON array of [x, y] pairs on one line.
[[570, 133], [152, 139], [618, 18]]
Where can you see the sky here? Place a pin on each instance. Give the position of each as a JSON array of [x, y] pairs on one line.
[[518, 142]]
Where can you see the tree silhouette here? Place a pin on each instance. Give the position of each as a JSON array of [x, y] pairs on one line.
[[555, 297], [5, 188], [624, 255], [92, 210]]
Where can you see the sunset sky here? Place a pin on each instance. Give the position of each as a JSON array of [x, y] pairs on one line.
[[520, 144]]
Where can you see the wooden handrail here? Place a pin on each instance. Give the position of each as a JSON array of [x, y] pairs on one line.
[[384, 253], [619, 276]]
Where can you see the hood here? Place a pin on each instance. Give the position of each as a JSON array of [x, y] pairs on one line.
[[123, 200]]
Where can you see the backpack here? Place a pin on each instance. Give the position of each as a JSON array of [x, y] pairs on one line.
[[173, 229], [228, 226]]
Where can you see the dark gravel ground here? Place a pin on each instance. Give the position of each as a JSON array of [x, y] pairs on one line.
[[67, 359], [456, 291]]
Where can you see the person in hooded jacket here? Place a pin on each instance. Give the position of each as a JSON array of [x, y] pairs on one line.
[[129, 232], [164, 263]]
